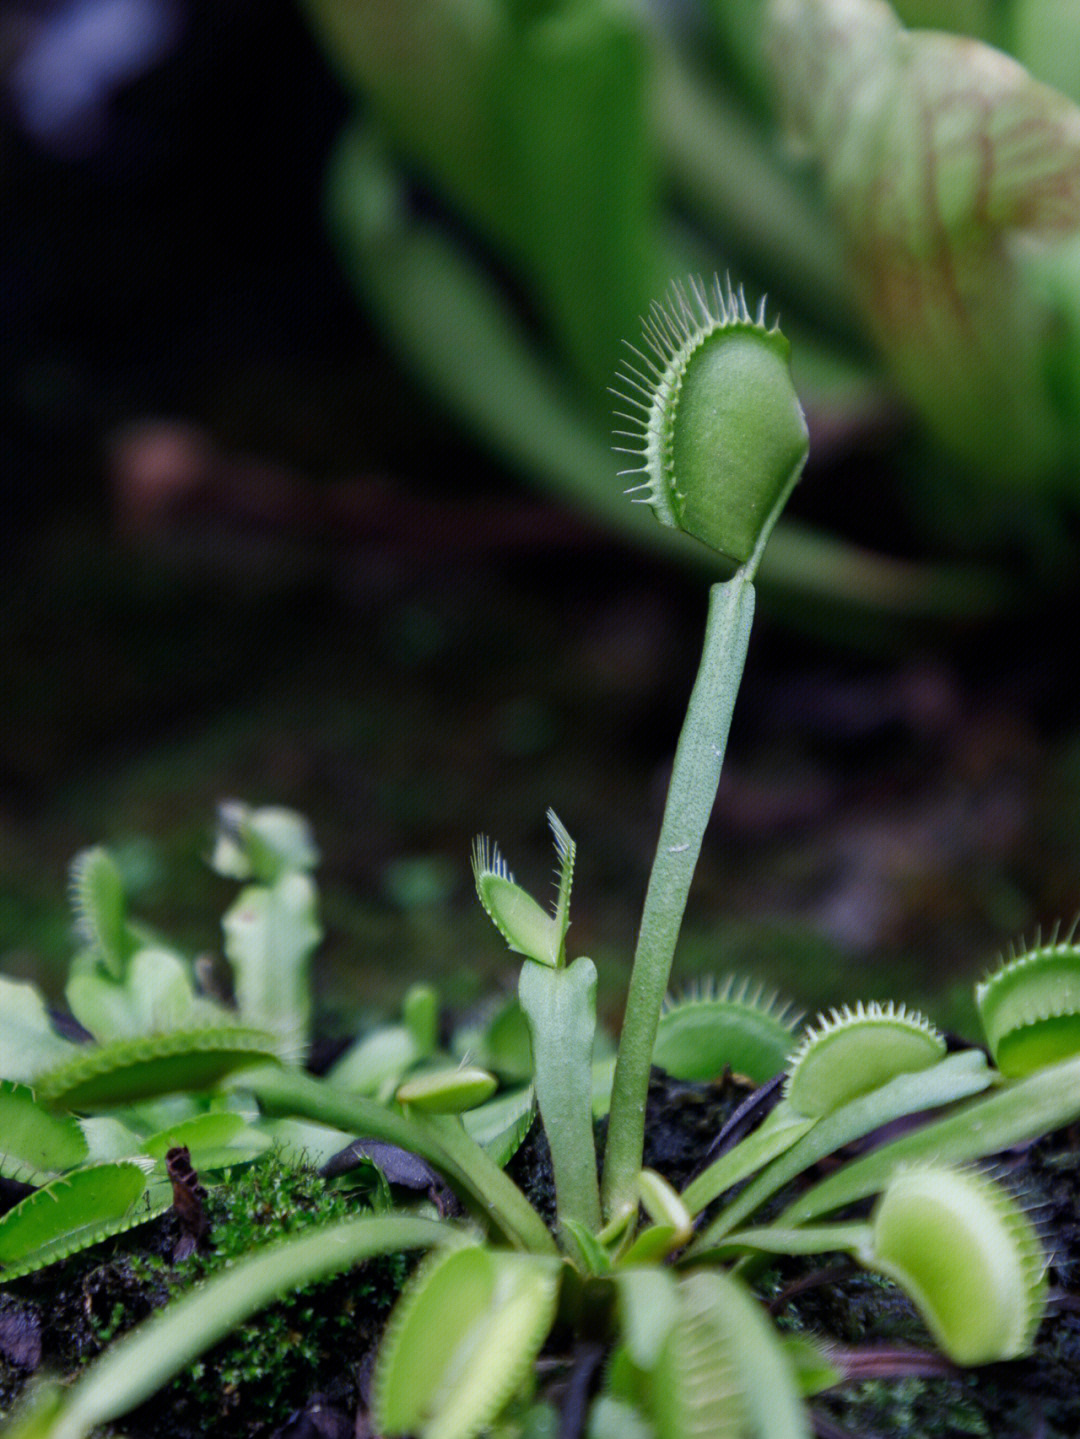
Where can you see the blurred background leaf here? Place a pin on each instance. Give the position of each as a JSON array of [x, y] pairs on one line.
[[582, 152]]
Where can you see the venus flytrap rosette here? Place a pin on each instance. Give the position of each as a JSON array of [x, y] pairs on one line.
[[693, 1355]]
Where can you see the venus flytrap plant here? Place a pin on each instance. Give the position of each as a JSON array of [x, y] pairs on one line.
[[722, 441]]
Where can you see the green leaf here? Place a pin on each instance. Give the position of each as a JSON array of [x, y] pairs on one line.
[[555, 98], [723, 1369], [956, 1077], [648, 1307], [109, 1139], [609, 1419], [97, 895], [448, 1091], [420, 1015], [500, 1125], [154, 995], [462, 1341], [780, 1131], [378, 1062], [700, 1036], [716, 427], [262, 844], [941, 157], [28, 1042], [498, 1038], [1013, 1114], [438, 1138], [566, 850], [813, 1368], [134, 1070], [851, 1052], [214, 1140], [1030, 1007], [270, 933], [70, 1214], [527, 928], [36, 1145], [585, 1249], [964, 1251]]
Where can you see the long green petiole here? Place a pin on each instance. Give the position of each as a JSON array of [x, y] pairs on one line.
[[694, 781]]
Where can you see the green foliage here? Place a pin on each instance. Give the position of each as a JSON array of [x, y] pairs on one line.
[[979, 1277], [449, 1381], [853, 1052], [101, 909], [693, 1354], [37, 1145], [513, 911]]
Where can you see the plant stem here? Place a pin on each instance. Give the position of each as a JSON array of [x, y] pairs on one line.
[[694, 780]]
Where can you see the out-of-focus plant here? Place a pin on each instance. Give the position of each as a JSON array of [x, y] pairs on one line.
[[911, 198]]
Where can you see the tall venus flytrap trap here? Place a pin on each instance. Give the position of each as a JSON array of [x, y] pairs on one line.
[[660, 1277], [722, 442]]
